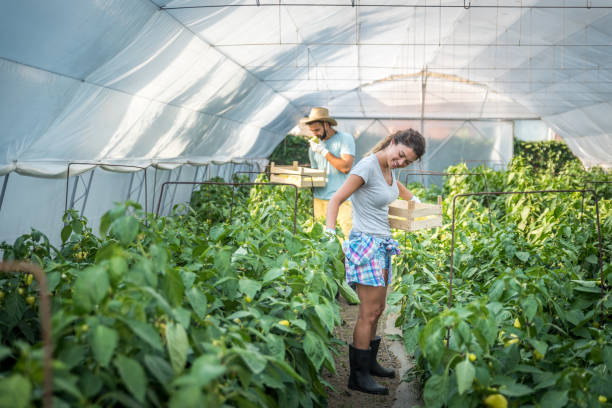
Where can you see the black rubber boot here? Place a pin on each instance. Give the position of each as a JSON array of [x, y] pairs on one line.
[[375, 368], [360, 378]]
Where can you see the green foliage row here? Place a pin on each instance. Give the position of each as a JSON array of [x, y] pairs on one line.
[[180, 311], [553, 154], [528, 323]]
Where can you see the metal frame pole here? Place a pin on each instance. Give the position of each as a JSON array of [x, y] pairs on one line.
[[4, 184], [107, 165]]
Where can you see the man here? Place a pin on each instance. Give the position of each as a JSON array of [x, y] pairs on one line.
[[334, 153]]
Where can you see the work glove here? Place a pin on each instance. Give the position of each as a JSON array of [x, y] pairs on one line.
[[318, 148], [415, 199], [330, 232]]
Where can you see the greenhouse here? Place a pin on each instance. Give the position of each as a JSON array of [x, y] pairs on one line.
[[306, 203]]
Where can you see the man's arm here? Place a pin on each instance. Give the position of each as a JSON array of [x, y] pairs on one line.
[[343, 164]]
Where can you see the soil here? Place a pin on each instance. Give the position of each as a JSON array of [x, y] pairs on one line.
[[341, 396]]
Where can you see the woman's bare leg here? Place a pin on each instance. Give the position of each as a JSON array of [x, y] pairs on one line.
[[383, 305], [372, 304]]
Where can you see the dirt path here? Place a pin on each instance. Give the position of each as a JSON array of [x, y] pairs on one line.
[[341, 396]]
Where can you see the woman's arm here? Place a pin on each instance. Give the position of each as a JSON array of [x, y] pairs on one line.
[[403, 191], [351, 185]]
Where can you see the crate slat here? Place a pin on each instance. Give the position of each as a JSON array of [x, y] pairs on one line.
[[403, 215], [400, 210], [415, 225], [301, 177]]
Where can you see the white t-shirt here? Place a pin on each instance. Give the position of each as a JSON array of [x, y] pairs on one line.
[[371, 200]]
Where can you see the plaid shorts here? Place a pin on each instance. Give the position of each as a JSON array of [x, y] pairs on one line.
[[366, 257]]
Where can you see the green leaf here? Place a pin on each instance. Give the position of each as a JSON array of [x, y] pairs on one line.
[[53, 279], [145, 331], [411, 338], [523, 256], [434, 393], [159, 257], [103, 341], [530, 306], [188, 278], [538, 345], [90, 288], [286, 368], [160, 300], [253, 359], [187, 397], [90, 384], [592, 259], [141, 274], [132, 375], [326, 314], [574, 316], [66, 232], [525, 213], [105, 222], [198, 301], [273, 274], [606, 354], [464, 332], [173, 288], [125, 228], [313, 347], [430, 341], [204, 369], [182, 316], [74, 355], [554, 399], [108, 251], [276, 346], [178, 345], [394, 298], [465, 375], [118, 269], [515, 390], [15, 391], [4, 352], [347, 292], [249, 287], [160, 369], [67, 383]]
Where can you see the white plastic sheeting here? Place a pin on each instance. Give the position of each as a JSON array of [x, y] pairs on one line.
[[116, 80], [476, 142], [40, 202], [516, 59], [201, 79], [165, 83]]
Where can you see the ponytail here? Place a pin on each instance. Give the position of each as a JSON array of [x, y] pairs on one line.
[[409, 137]]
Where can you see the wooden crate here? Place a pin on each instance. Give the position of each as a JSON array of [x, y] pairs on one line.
[[411, 216], [301, 177]]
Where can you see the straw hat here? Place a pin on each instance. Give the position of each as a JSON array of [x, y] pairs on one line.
[[320, 115]]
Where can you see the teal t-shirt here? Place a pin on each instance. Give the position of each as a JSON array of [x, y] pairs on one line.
[[340, 143]]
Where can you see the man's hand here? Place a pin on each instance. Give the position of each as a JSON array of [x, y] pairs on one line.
[[318, 148], [415, 199]]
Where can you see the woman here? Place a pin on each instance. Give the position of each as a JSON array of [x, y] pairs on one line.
[[372, 185]]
